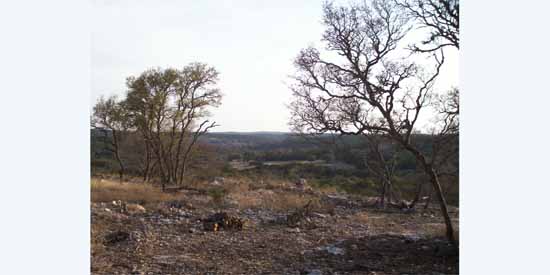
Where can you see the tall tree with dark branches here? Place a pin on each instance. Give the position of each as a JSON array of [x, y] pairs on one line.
[[361, 85], [444, 155], [439, 17]]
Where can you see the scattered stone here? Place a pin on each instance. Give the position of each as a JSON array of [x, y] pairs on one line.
[[315, 272], [184, 214], [134, 208], [269, 246], [293, 230], [215, 183], [337, 197], [334, 250], [319, 215]]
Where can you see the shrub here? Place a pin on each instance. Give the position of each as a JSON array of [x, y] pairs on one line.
[[217, 196]]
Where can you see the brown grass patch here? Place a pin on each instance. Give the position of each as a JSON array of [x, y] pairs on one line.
[[103, 190], [279, 201], [270, 199], [273, 194], [328, 190]]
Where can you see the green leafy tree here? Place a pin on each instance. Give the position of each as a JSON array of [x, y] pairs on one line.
[[169, 108]]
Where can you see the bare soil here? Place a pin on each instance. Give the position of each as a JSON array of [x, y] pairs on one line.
[[340, 235]]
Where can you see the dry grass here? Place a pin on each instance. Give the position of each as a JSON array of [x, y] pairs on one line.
[[266, 194], [273, 194], [328, 190], [237, 185], [103, 190], [275, 200], [246, 193]]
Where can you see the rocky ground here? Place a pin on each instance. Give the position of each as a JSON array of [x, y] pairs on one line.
[[336, 235]]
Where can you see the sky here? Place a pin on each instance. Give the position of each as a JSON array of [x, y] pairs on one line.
[[252, 43]]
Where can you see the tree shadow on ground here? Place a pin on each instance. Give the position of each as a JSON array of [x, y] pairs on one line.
[[390, 254]]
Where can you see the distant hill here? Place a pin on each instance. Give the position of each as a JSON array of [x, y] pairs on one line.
[[245, 139], [280, 146], [263, 141]]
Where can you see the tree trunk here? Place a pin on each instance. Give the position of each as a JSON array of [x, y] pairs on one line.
[[147, 162], [417, 195], [182, 173], [383, 194], [164, 175], [428, 169], [442, 204], [117, 155], [392, 197], [121, 166], [429, 199], [146, 174]]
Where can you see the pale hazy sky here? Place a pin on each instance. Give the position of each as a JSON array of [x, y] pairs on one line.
[[252, 43]]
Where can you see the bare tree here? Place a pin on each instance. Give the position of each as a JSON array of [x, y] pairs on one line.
[[381, 160], [110, 115], [444, 154], [439, 17], [166, 106], [362, 87], [441, 20]]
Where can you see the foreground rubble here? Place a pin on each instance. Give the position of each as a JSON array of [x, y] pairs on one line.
[[339, 235]]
